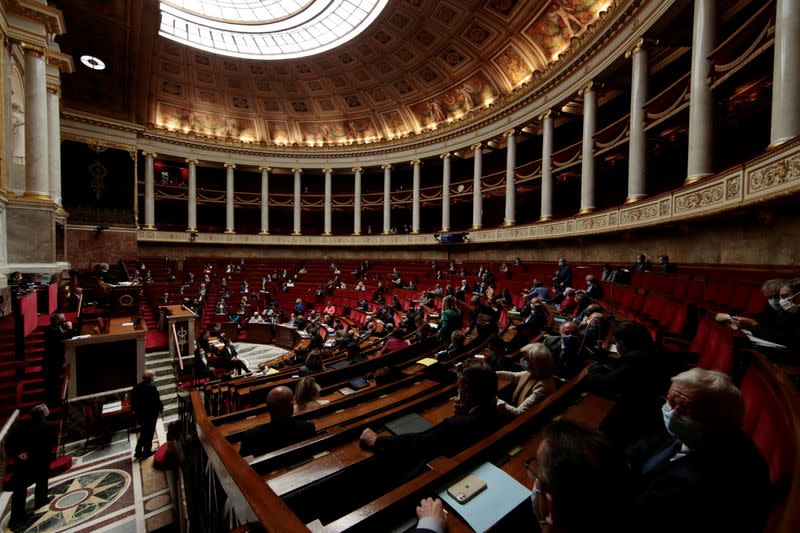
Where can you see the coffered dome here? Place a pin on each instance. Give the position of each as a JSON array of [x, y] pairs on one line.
[[419, 66]]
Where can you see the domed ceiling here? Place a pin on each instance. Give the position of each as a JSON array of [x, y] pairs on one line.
[[419, 65]]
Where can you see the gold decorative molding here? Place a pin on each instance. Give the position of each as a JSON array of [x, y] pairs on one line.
[[508, 223], [327, 171], [36, 49], [588, 87], [586, 210], [476, 146], [263, 232], [547, 114], [386, 166], [190, 161], [633, 198], [149, 228], [635, 48], [149, 153], [191, 230], [230, 232], [509, 133], [230, 165], [446, 155], [545, 218], [297, 171], [262, 169], [54, 88], [694, 179], [357, 169], [416, 162]]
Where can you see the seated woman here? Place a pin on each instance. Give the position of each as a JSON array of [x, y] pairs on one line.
[[314, 364], [569, 305], [306, 395], [395, 342], [533, 384], [330, 309]]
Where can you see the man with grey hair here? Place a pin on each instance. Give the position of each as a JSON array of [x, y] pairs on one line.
[[146, 405], [708, 475], [31, 444], [781, 323]]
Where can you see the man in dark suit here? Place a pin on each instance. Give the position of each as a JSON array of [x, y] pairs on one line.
[[568, 348], [31, 443], [475, 416], [563, 277], [146, 405], [281, 431], [593, 289], [709, 476], [55, 335]]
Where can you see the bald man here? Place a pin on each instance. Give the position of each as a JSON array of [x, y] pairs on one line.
[[146, 405], [281, 431]]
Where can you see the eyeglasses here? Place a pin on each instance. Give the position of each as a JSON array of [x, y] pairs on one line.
[[530, 468]]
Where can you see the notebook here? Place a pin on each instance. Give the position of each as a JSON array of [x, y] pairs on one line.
[[410, 423]]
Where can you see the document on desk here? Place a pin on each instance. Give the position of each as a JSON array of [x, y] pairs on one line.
[[502, 494], [761, 343]]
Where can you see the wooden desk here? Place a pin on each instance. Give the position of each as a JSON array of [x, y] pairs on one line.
[[180, 330], [107, 362]]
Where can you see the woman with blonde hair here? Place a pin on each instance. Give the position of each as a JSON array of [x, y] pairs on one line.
[[306, 395], [533, 384], [449, 321]]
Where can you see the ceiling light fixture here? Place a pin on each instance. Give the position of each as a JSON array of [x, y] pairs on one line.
[[92, 62]]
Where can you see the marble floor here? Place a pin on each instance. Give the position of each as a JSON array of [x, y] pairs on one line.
[[104, 491]]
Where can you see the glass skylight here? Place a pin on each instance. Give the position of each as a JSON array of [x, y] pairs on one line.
[[266, 29]]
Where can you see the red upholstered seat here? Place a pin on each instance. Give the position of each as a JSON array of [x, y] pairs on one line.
[[766, 422]]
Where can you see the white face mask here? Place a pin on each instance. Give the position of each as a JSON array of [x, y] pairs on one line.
[[788, 305]]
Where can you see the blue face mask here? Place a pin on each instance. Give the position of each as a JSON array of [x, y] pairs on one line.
[[684, 429], [524, 364]]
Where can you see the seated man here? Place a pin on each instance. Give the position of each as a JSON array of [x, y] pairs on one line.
[[709, 476], [475, 416], [581, 482], [568, 349], [281, 431], [593, 289], [781, 326]]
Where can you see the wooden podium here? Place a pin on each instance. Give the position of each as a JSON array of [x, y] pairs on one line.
[[106, 362], [124, 299], [180, 330]]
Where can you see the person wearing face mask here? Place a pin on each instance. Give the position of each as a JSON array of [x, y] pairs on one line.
[[634, 380], [581, 482], [533, 384], [707, 475], [781, 326], [568, 349]]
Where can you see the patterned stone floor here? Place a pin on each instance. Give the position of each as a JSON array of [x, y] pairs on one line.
[[104, 491]]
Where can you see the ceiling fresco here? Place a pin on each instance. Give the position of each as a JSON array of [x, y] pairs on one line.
[[420, 65]]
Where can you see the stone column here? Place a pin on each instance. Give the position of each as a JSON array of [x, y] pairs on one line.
[[701, 103], [637, 142], [149, 191], [511, 172], [477, 194], [547, 166], [37, 177], [229, 199], [54, 141], [587, 155], [328, 200], [297, 206], [445, 191], [416, 164], [786, 73], [357, 200], [192, 194], [387, 198], [264, 200]]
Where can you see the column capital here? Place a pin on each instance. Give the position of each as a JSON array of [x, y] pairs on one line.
[[327, 170], [32, 48], [263, 168], [54, 88], [416, 162], [357, 169], [297, 170], [150, 153], [509, 133], [638, 45], [546, 114], [191, 161], [586, 88], [230, 165], [476, 146], [386, 166], [446, 155]]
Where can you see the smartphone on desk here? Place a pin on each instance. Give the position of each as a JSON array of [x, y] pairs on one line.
[[466, 489]]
